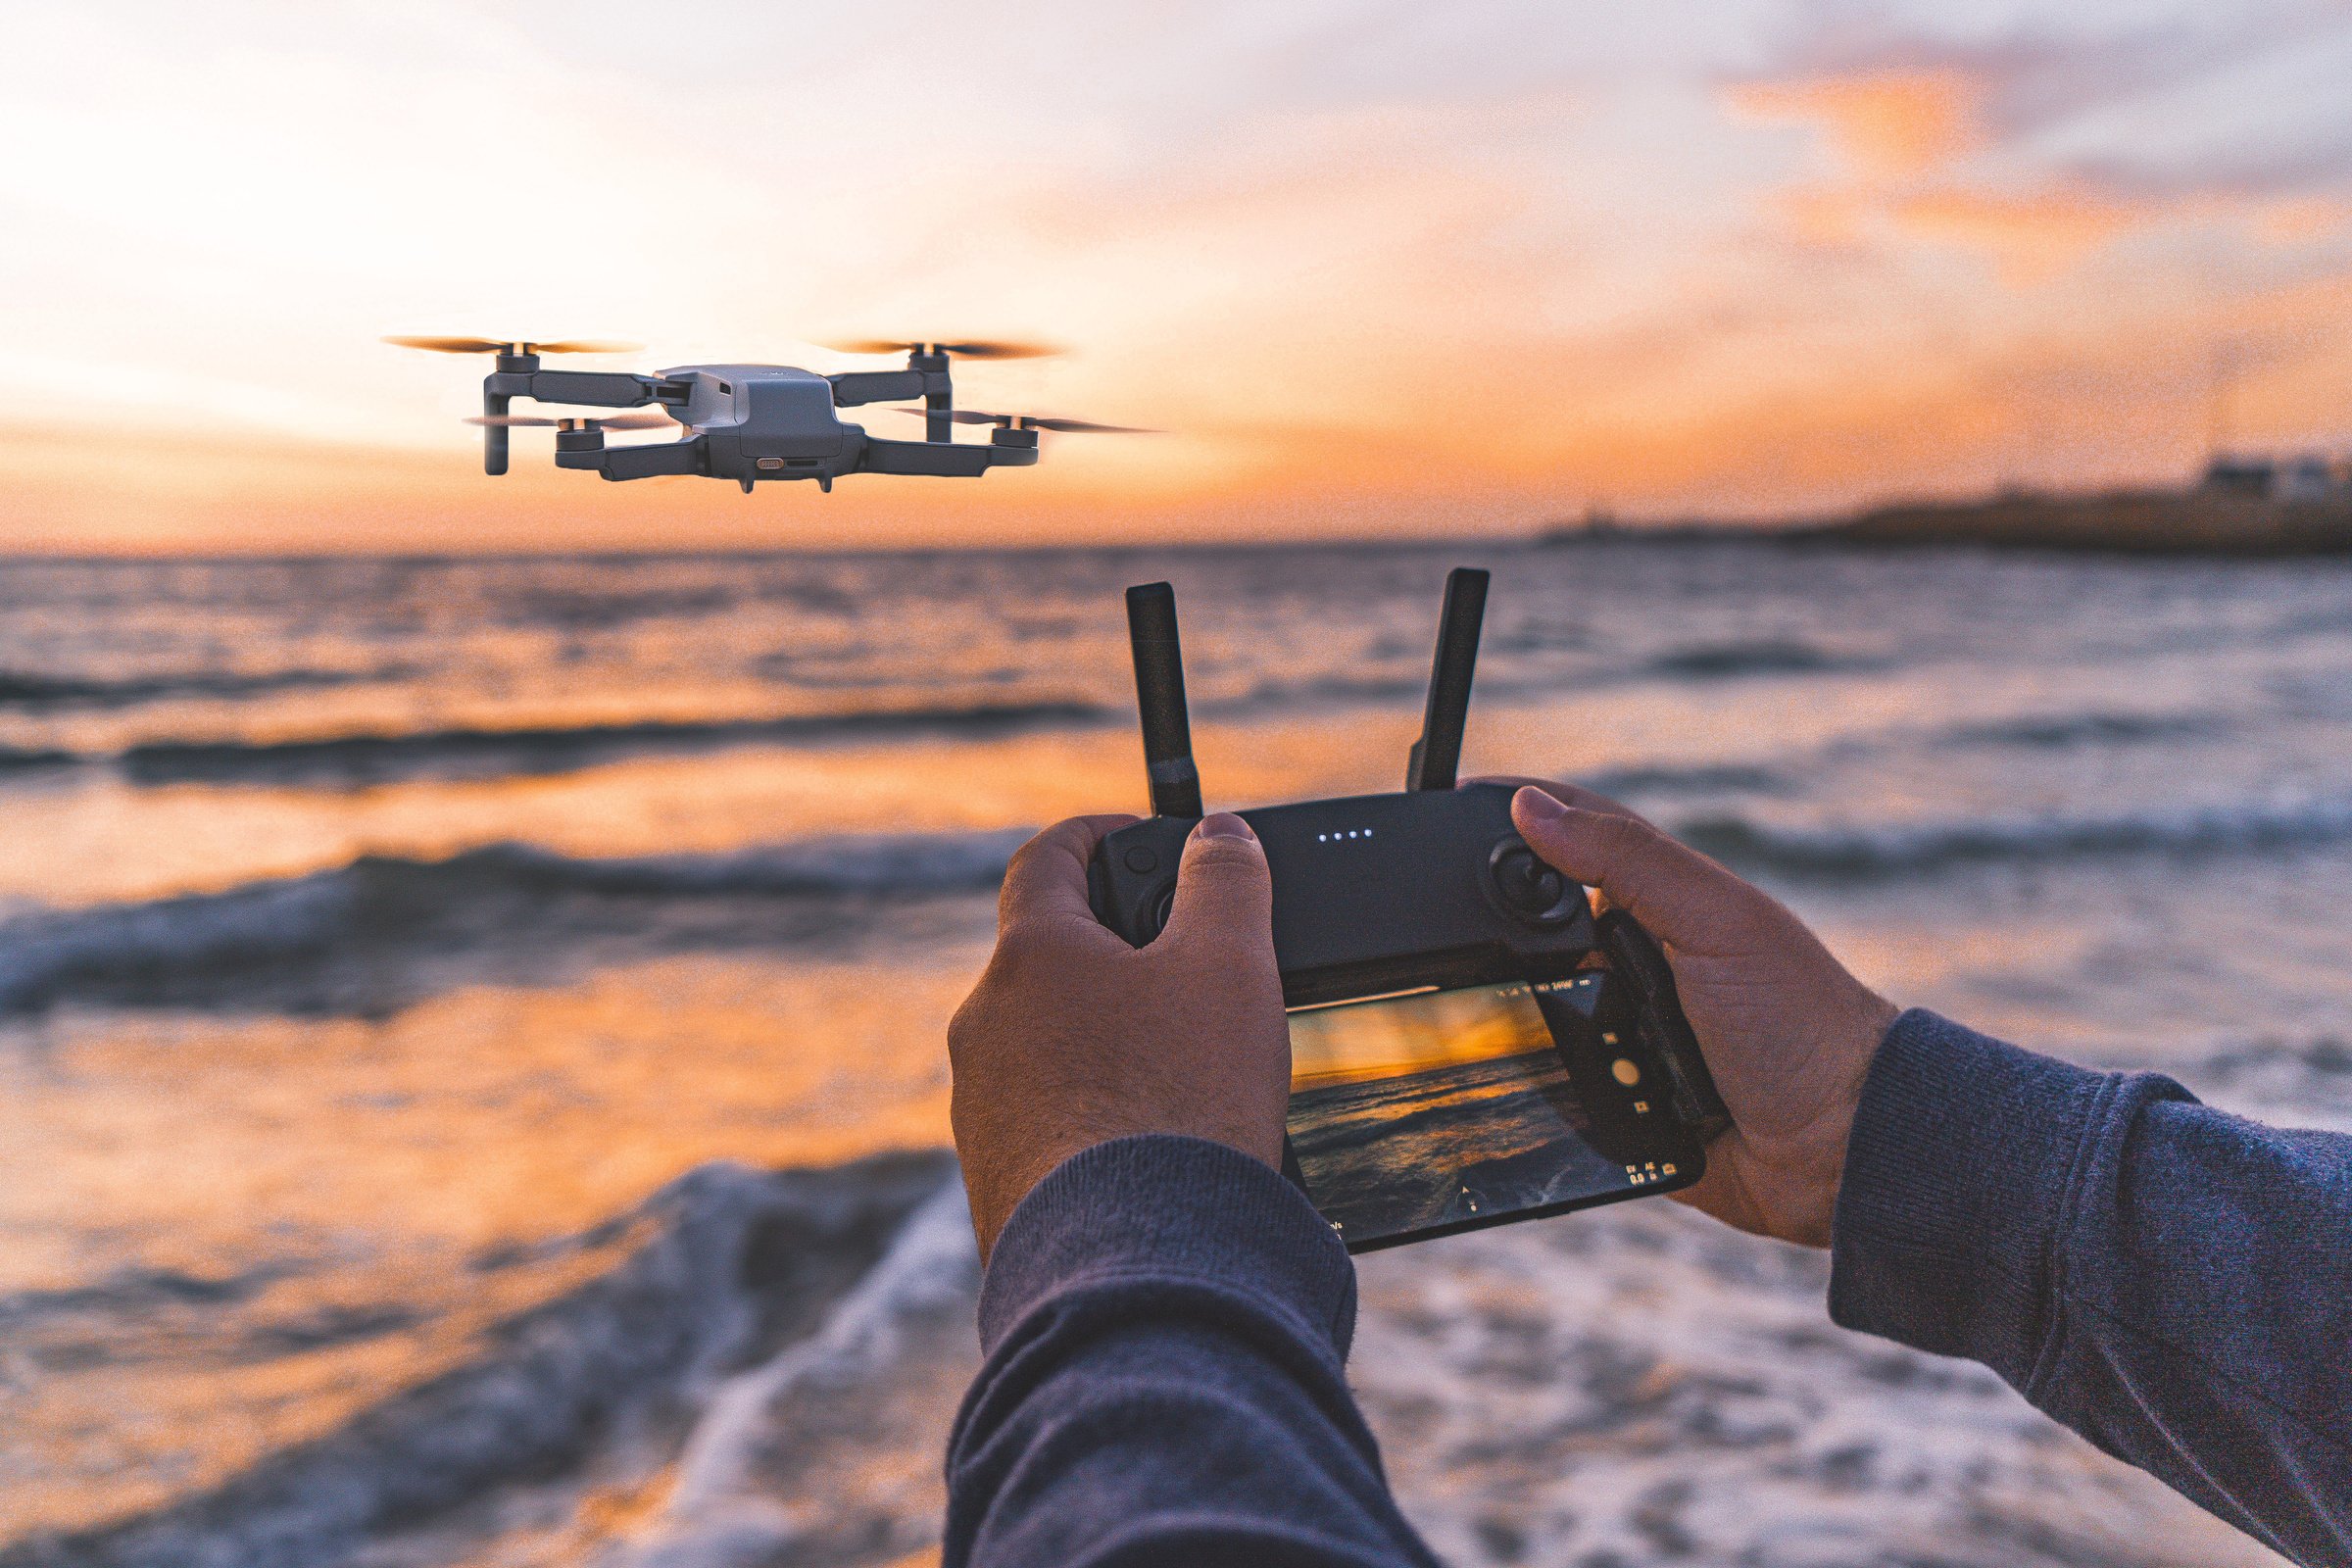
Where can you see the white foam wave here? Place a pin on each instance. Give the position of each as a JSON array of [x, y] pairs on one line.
[[1641, 1385], [740, 1494], [577, 1375]]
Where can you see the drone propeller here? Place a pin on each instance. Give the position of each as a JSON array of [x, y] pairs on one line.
[[980, 349], [1039, 421], [484, 344], [618, 422]]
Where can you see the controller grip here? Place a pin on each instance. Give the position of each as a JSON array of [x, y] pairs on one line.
[[1635, 955]]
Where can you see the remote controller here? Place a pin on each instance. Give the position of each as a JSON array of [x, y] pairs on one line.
[[1429, 891]]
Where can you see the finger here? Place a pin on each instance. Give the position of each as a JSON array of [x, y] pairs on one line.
[[1575, 795], [1047, 879], [1223, 889], [1670, 888]]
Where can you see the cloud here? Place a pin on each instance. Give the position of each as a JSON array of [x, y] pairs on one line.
[[1884, 124], [2029, 237]]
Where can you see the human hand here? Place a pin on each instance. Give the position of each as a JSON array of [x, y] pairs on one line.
[[1787, 1031], [1072, 1036]]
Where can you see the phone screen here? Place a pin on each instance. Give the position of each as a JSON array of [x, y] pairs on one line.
[[1443, 1110]]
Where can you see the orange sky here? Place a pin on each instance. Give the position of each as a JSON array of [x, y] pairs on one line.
[[1378, 269], [1411, 1034]]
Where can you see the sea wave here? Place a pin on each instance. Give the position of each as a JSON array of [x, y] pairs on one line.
[[41, 689], [231, 946], [737, 1267], [868, 1395], [2298, 1081], [2090, 728], [1696, 778], [1763, 656], [23, 759], [1911, 848], [351, 760]]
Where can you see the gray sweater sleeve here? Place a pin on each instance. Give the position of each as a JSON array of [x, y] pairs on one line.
[[2172, 1282], [1165, 1322]]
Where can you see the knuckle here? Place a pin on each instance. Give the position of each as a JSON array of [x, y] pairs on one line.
[[1023, 863], [1016, 957], [1221, 857], [1623, 835]]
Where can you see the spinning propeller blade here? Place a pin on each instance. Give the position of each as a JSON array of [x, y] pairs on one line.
[[978, 349], [1037, 421], [484, 344], [959, 416], [618, 422], [1083, 426]]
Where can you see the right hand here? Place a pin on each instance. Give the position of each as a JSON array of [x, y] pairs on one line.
[[1788, 1033]]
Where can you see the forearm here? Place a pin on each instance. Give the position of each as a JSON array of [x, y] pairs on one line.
[[1165, 1323], [2172, 1282]]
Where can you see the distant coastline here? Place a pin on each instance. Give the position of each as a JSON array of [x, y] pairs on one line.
[[2208, 520], [2140, 522]]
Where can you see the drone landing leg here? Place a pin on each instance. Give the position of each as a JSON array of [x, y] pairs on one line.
[[939, 393], [494, 436]]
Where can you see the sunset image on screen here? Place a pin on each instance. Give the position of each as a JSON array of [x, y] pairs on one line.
[[1437, 1108]]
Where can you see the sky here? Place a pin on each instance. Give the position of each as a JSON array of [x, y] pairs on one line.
[[1377, 268]]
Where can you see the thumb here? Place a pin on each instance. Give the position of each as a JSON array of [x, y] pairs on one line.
[[1224, 891], [1675, 892]]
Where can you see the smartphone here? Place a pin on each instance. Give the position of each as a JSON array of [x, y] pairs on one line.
[[1426, 1113]]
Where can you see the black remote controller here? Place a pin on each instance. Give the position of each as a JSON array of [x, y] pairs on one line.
[[1427, 890]]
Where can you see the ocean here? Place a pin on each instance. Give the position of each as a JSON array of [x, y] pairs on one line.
[[471, 1030]]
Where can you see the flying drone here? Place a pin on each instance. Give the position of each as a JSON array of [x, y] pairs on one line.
[[750, 422]]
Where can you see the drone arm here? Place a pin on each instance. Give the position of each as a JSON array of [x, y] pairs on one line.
[[633, 463], [952, 462], [853, 387], [593, 388]]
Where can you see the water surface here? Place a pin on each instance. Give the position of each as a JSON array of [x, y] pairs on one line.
[[470, 1074]]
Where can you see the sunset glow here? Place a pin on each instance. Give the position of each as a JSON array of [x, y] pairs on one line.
[[1376, 270]]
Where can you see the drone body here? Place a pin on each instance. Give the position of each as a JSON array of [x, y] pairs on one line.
[[750, 422]]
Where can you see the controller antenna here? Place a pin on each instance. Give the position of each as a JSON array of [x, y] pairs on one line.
[[1160, 699], [1437, 753]]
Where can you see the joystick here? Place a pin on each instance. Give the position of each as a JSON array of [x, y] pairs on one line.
[[1424, 890], [1528, 888]]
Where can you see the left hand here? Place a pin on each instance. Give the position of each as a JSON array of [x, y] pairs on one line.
[[1072, 1036]]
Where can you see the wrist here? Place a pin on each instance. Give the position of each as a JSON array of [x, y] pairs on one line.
[[1169, 1206], [998, 1184], [1853, 1047]]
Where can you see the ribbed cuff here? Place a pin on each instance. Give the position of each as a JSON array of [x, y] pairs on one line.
[[1958, 1180], [1167, 1206]]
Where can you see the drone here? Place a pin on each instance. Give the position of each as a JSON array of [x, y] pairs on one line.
[[750, 422]]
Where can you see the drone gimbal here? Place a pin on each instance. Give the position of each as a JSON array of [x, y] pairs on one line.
[[750, 422]]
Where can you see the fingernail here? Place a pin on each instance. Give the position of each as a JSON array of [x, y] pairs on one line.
[[1538, 804], [1223, 825]]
